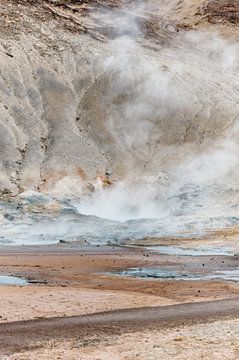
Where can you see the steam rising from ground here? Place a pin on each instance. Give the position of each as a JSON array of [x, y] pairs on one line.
[[176, 110], [159, 117]]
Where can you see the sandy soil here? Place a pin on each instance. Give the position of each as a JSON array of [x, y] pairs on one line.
[[215, 341], [32, 302], [70, 280], [89, 268]]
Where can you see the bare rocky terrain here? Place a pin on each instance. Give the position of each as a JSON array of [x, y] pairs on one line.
[[84, 84], [119, 127]]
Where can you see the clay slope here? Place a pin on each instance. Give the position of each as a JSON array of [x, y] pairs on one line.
[[108, 89]]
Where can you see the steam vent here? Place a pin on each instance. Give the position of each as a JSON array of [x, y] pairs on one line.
[[119, 179]]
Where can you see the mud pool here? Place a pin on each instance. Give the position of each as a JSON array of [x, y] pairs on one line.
[[39, 219]]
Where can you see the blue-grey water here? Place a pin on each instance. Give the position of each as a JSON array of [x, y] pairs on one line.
[[163, 274], [12, 280], [193, 251]]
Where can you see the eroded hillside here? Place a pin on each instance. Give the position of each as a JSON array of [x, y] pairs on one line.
[[112, 89]]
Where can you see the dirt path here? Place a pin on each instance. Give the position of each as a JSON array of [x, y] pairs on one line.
[[18, 336]]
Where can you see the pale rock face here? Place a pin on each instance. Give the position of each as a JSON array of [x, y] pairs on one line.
[[81, 97], [39, 137]]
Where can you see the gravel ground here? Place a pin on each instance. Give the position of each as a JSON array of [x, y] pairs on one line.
[[218, 340]]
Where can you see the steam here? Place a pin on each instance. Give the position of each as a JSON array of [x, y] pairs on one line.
[[175, 111]]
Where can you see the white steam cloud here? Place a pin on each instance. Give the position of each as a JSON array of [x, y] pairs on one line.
[[175, 111]]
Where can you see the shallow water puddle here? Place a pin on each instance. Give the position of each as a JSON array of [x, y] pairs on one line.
[[162, 274], [196, 251], [12, 280]]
